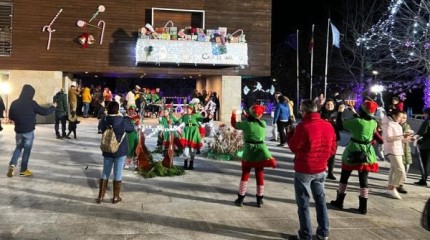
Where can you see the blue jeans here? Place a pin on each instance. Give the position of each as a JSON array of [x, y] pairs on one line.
[[22, 140], [118, 165], [304, 185], [86, 108]]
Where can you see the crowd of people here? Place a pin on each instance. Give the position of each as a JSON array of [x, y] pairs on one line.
[[313, 140]]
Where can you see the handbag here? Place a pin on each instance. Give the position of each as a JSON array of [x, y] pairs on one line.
[[357, 157]]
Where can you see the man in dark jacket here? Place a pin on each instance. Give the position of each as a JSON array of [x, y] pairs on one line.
[[313, 142], [61, 113], [23, 113], [2, 108]]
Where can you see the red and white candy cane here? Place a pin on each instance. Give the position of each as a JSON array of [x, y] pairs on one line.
[[47, 28], [101, 25], [101, 22]]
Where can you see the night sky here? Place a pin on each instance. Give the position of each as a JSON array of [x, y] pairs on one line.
[[301, 16]]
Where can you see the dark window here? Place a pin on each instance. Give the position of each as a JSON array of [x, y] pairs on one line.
[[5, 28]]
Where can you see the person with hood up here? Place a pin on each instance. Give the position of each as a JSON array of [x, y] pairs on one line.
[[23, 113]]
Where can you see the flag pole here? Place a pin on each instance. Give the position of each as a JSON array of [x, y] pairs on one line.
[[312, 60], [326, 60], [298, 76]]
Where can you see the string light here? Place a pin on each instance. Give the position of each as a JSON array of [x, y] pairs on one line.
[[403, 29]]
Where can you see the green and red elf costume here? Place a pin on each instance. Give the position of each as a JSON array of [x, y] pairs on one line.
[[133, 138], [255, 152], [166, 121], [362, 129], [191, 139]]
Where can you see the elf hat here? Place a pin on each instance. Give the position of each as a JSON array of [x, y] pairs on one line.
[[191, 106], [168, 106], [256, 111], [369, 107]]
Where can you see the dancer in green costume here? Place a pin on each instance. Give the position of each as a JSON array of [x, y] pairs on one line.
[[255, 152]]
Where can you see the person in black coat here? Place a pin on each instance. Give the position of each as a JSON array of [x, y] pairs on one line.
[[60, 113], [23, 113], [2, 108], [121, 125], [329, 113]]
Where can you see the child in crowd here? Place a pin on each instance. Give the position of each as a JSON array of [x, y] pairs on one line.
[[101, 114], [73, 122]]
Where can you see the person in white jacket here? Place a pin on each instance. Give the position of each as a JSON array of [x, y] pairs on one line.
[[393, 148]]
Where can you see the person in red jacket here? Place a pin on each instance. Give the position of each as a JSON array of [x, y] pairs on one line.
[[313, 141]]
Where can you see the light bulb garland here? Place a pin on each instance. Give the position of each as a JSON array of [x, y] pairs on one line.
[[403, 29]]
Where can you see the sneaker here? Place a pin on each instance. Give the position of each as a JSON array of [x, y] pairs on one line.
[[11, 171], [421, 183], [26, 173], [401, 189], [393, 193], [319, 237]]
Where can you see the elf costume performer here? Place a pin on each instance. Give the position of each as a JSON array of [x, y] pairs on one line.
[[191, 139], [362, 129], [133, 139], [255, 152], [167, 121]]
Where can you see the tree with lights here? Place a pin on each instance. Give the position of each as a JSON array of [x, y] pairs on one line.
[[402, 39]]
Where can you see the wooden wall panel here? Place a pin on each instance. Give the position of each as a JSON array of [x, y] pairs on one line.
[[123, 19]]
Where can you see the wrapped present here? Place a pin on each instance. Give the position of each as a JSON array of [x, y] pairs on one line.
[[201, 37], [161, 30], [222, 31], [165, 36], [235, 37], [173, 31]]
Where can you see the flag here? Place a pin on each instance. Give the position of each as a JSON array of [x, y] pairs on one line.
[[311, 45], [291, 41], [336, 36]]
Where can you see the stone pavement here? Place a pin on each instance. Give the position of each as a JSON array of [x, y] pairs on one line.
[[57, 202]]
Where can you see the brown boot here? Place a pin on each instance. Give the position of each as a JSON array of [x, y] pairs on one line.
[[102, 190], [116, 191]]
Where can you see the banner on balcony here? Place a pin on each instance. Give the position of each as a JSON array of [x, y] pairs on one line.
[[190, 52]]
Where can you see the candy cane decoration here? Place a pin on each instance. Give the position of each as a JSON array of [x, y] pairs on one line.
[[101, 8], [82, 24], [101, 22], [47, 28]]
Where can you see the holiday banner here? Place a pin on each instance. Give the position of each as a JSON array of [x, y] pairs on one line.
[[191, 52]]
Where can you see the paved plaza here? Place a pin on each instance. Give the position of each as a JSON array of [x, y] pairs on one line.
[[57, 202]]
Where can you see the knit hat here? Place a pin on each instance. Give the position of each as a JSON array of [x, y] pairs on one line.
[[256, 111], [369, 107]]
